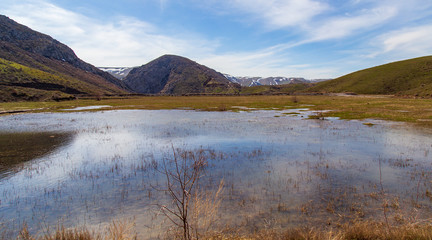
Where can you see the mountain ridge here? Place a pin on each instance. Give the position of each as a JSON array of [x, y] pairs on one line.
[[24, 46], [259, 81], [35, 66], [121, 72]]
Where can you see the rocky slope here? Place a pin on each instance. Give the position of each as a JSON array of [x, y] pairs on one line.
[[21, 45], [177, 75]]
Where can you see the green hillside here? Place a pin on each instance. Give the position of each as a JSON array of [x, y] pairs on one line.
[[20, 82], [34, 66], [275, 89], [409, 77]]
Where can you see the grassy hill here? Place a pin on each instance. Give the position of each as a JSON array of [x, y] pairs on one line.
[[26, 83], [34, 66], [409, 77]]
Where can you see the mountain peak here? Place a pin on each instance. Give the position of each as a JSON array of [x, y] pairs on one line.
[[171, 74], [37, 51], [34, 42]]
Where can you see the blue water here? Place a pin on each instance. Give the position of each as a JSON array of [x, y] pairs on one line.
[[285, 170]]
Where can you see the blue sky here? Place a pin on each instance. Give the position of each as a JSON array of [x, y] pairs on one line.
[[292, 38]]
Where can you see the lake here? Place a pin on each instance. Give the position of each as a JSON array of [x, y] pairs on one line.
[[279, 168]]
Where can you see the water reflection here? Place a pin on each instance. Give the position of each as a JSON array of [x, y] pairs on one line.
[[18, 148], [278, 171]]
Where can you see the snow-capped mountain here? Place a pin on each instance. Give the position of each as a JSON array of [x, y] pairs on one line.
[[258, 81], [118, 72], [122, 72], [231, 78]]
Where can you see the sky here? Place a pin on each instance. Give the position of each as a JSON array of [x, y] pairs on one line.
[[314, 39]]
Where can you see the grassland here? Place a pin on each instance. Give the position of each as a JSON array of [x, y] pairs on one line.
[[19, 81], [411, 110], [409, 77], [275, 89]]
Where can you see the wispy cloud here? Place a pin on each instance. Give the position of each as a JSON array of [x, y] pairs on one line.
[[123, 41], [126, 41], [163, 4], [320, 20], [407, 42], [302, 29], [281, 13], [343, 26], [272, 61]]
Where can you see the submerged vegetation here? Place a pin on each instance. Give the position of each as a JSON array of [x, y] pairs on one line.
[[283, 178]]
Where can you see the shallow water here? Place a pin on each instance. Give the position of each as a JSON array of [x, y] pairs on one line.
[[87, 108], [280, 170]]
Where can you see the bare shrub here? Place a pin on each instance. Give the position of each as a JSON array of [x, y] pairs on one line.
[[181, 173]]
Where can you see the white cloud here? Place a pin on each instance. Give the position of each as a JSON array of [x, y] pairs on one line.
[[320, 20], [407, 42], [281, 13], [121, 41], [339, 27], [125, 41], [265, 63]]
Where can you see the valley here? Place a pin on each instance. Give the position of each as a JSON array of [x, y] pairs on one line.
[[174, 149]]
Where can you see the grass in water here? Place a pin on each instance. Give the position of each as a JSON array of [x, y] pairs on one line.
[[117, 230], [355, 230]]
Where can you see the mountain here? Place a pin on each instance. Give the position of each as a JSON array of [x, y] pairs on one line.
[[259, 81], [232, 78], [408, 77], [177, 75], [117, 72], [38, 56]]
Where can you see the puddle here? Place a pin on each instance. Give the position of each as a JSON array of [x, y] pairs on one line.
[[88, 108], [243, 108]]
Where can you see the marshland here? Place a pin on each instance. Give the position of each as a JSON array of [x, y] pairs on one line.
[[269, 167]]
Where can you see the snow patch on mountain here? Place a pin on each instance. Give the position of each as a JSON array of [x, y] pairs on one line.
[[118, 72], [259, 81]]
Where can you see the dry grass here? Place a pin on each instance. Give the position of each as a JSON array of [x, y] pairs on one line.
[[205, 209], [359, 231], [61, 234], [121, 230], [363, 230], [117, 230], [345, 107]]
